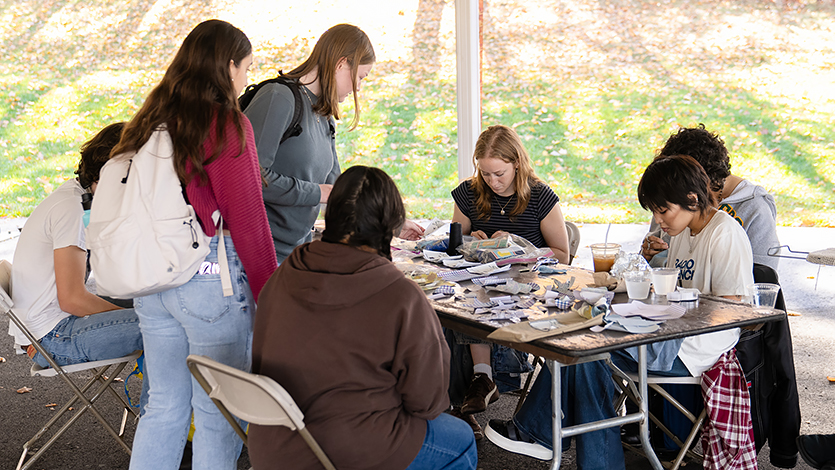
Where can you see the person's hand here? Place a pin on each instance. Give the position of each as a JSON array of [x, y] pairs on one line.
[[479, 235], [410, 231], [500, 234], [325, 189], [652, 246]]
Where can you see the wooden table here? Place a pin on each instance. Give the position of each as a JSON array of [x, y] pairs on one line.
[[706, 315]]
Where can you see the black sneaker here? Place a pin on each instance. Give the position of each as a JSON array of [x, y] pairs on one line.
[[818, 450], [506, 435], [481, 393]]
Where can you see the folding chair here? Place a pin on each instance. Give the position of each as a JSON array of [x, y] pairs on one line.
[[253, 398], [573, 245], [98, 368], [573, 240], [626, 383]]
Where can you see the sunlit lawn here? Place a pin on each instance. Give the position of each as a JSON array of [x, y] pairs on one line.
[[590, 122]]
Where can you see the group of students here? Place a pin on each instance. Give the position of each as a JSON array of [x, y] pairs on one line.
[[356, 344]]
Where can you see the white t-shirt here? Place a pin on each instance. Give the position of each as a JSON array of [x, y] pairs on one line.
[[717, 261], [55, 223]]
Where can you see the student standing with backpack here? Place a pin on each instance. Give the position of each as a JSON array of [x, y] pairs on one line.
[[300, 170], [215, 159]]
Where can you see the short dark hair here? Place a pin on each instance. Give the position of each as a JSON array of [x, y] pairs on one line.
[[706, 147], [364, 209], [672, 179], [95, 153]]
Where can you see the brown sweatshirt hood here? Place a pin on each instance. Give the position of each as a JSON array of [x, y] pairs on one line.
[[335, 275]]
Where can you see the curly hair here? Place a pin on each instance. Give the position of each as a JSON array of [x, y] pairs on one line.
[[504, 143], [704, 146], [96, 152]]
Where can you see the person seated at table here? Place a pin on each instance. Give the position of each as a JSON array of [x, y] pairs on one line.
[[49, 271], [504, 196], [750, 205], [712, 254], [374, 387]]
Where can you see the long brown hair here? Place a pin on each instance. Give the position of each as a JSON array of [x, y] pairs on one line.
[[502, 142], [196, 87], [340, 41]]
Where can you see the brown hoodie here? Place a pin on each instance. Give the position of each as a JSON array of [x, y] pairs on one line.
[[359, 349]]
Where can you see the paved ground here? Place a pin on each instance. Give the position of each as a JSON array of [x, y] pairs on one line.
[[813, 330]]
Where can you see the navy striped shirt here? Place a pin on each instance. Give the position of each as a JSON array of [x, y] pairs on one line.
[[526, 224]]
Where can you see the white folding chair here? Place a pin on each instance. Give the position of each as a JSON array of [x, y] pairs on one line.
[[98, 368], [626, 383], [573, 240], [253, 398]]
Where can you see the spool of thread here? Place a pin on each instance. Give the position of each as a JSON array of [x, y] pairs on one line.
[[455, 239]]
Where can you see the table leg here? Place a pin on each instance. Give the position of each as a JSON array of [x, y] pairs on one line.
[[556, 412], [642, 390]]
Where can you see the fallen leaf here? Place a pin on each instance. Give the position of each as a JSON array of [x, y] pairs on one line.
[[24, 390], [2, 359]]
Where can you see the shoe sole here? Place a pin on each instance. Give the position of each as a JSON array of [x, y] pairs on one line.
[[531, 450], [491, 397]]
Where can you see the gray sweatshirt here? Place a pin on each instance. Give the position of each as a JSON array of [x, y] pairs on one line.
[[753, 207], [294, 169]]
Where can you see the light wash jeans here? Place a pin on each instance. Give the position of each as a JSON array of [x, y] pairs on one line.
[[194, 318], [449, 445], [587, 394], [96, 337]]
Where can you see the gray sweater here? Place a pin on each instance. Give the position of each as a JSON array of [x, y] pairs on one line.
[[295, 169], [753, 207]]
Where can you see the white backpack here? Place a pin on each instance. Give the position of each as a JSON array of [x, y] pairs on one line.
[[143, 237]]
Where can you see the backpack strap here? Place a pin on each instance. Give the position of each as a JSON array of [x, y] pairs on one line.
[[295, 127], [225, 277]]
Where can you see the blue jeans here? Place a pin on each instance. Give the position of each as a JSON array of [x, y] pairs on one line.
[[449, 445], [194, 318], [96, 337], [587, 394]]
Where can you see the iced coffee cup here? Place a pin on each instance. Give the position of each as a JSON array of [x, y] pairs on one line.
[[603, 255]]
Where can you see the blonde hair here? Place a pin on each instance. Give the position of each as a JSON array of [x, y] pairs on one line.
[[343, 41], [504, 143]]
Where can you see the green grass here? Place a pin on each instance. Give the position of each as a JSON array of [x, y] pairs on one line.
[[591, 112]]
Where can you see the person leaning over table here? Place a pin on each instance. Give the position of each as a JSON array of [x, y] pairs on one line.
[[750, 205], [300, 171], [713, 255], [215, 159], [503, 196], [374, 387]]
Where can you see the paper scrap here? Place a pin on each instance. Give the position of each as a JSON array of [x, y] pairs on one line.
[[433, 227], [650, 312]]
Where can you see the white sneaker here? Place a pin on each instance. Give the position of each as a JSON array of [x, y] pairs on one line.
[[505, 435]]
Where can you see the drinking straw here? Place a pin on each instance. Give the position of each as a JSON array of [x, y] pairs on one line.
[[606, 238]]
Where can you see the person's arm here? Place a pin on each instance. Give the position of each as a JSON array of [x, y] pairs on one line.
[[270, 112], [236, 183], [466, 224], [73, 297], [555, 235], [421, 362], [410, 230]]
